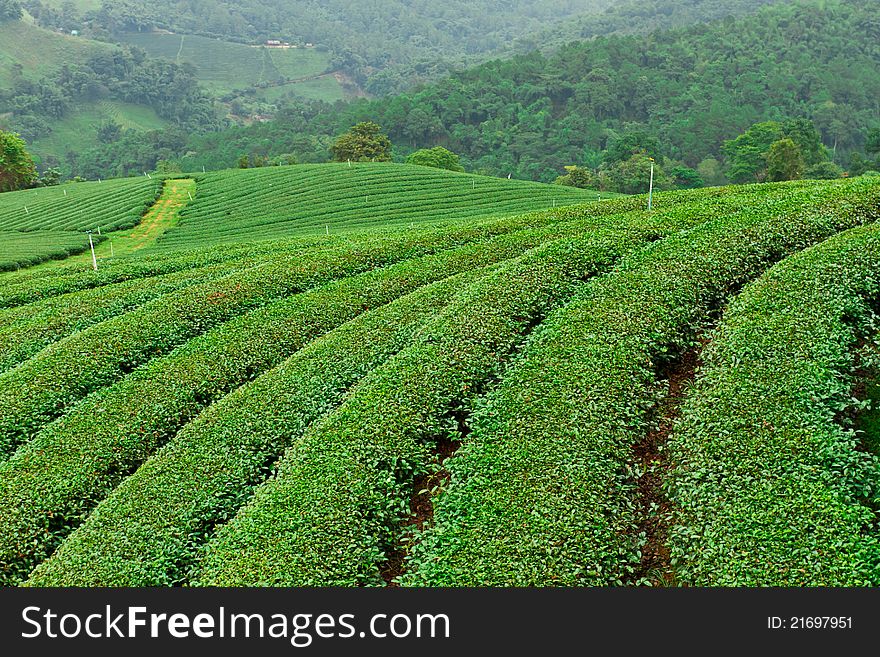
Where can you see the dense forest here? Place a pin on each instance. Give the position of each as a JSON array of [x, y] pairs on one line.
[[691, 89], [421, 41], [688, 89]]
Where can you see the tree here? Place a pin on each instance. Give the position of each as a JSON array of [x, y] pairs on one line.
[[823, 171], [10, 10], [581, 177], [686, 178], [437, 157], [624, 147], [711, 172], [365, 142], [17, 168], [784, 161], [634, 175], [747, 154], [50, 177], [803, 133], [872, 145]]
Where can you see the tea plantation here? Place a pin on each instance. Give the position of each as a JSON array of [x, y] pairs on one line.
[[385, 375]]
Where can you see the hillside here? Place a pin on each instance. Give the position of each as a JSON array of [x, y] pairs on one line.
[[269, 203], [51, 222], [577, 396], [64, 94], [691, 89], [278, 202]]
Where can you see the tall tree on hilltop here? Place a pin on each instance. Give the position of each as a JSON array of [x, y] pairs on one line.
[[365, 142]]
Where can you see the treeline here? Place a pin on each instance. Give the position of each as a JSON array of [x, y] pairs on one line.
[[691, 89], [386, 46]]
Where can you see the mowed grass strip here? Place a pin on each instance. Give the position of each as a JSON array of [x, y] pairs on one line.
[[148, 531], [543, 491], [770, 484], [335, 509]]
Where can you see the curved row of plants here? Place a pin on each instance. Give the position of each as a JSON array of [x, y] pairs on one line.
[[544, 490], [48, 485], [38, 390], [148, 530], [25, 330], [342, 491], [188, 378], [771, 485], [110, 205]]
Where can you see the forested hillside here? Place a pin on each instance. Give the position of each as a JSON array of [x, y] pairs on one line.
[[691, 89]]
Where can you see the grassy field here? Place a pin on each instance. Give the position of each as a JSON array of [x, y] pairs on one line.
[[40, 52], [78, 129], [224, 66], [591, 394], [278, 202]]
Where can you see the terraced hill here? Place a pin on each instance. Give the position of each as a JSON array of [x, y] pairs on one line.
[[259, 204], [588, 395], [50, 222], [306, 199], [225, 67]]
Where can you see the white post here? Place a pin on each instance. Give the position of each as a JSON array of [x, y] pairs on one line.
[[92, 246], [651, 186], [473, 183], [26, 211], [99, 230], [190, 196], [65, 192], [327, 229], [349, 164], [203, 169]]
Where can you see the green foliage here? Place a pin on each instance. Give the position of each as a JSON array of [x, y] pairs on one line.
[[147, 404], [784, 161], [33, 220], [278, 202], [621, 149], [50, 177], [17, 168], [872, 144], [257, 320], [544, 491], [346, 481], [827, 170], [10, 10], [437, 157], [686, 178], [580, 177], [532, 114], [633, 176], [364, 142], [747, 154], [770, 485]]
